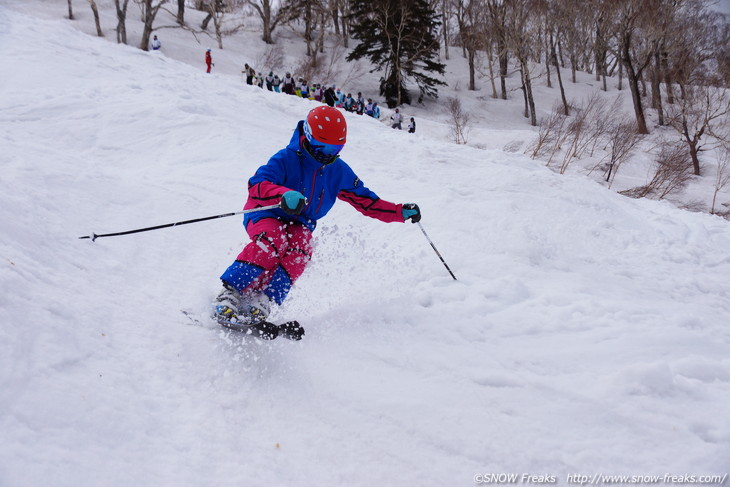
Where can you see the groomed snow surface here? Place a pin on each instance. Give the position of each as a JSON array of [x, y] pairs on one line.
[[587, 333]]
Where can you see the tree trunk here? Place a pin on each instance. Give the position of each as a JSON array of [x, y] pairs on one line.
[[573, 62], [692, 144], [547, 60], [528, 92], [503, 66], [526, 113], [308, 27], [70, 11], [667, 77], [560, 78], [181, 12], [149, 14], [336, 20], [206, 21], [620, 75], [99, 32], [266, 22], [472, 70], [491, 71], [121, 9], [656, 94], [633, 80]]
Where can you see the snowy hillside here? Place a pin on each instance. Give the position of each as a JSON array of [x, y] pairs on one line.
[[587, 333]]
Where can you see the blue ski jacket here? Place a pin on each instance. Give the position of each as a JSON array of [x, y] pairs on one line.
[[292, 168]]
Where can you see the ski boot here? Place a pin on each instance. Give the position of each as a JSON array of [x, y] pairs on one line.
[[245, 312]]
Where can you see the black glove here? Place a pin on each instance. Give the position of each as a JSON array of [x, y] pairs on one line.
[[292, 202], [412, 212]]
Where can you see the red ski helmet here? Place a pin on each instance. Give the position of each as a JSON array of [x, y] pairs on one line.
[[326, 130]]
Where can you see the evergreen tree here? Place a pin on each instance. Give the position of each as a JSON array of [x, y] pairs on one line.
[[399, 38]]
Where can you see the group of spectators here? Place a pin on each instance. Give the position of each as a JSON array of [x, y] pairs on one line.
[[331, 95]]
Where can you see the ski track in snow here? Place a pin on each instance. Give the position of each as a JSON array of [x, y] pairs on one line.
[[587, 332]]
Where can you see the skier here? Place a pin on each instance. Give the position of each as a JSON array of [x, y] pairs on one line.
[[280, 247], [330, 97], [276, 83], [340, 102], [349, 103], [249, 72], [208, 60], [376, 111], [359, 104], [270, 81], [397, 118], [156, 44], [288, 84], [412, 126], [369, 108]]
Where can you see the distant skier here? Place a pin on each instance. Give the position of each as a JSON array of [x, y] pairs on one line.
[[288, 83], [208, 60], [306, 177], [412, 126], [330, 97], [249, 72], [156, 44], [397, 119]]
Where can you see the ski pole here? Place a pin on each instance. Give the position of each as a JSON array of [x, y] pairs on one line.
[[94, 236], [434, 249]]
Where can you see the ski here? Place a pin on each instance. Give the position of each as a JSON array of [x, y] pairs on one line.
[[265, 330]]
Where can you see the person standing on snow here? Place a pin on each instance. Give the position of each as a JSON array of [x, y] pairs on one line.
[[208, 60], [249, 72], [330, 97], [397, 119], [156, 44], [306, 178], [412, 126], [288, 83]]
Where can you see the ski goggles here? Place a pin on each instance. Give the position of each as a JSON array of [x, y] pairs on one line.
[[327, 149]]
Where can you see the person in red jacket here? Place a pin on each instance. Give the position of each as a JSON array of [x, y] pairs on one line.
[[208, 60], [306, 178]]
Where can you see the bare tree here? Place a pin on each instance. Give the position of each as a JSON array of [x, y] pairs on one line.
[[671, 175], [92, 4], [521, 41], [149, 12], [271, 14], [468, 18], [703, 112], [217, 11], [496, 9], [459, 120], [622, 140], [722, 178], [634, 50], [549, 132], [552, 33], [70, 10], [121, 10]]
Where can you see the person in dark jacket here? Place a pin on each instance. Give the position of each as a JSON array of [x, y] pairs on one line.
[[412, 126], [330, 97], [306, 178]]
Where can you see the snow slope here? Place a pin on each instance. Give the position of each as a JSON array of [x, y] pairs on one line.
[[587, 333]]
